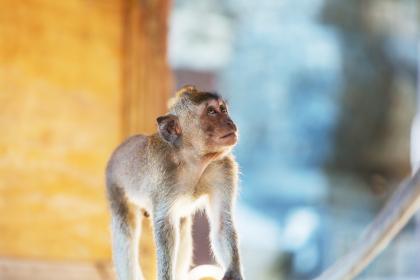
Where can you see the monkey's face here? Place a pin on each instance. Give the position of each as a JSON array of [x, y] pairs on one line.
[[199, 120], [217, 127]]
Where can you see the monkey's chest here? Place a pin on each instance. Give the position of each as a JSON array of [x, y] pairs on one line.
[[187, 204]]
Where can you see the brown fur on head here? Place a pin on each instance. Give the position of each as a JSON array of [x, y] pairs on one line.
[[198, 119]]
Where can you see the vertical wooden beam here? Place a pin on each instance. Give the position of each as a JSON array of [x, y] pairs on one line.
[[146, 84], [146, 75], [59, 120]]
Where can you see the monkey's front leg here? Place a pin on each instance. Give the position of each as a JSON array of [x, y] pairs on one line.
[[223, 236], [185, 249], [166, 236]]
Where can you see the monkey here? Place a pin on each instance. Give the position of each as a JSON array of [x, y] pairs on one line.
[[187, 165]]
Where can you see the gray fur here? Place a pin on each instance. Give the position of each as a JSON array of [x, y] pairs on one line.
[[147, 174]]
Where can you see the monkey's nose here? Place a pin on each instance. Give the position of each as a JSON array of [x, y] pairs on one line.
[[231, 125]]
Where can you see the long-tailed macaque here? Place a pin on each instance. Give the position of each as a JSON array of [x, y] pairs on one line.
[[167, 176]]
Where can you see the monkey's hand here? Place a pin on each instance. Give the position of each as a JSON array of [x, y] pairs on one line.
[[232, 275]]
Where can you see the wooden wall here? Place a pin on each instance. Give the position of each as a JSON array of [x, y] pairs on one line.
[[76, 77]]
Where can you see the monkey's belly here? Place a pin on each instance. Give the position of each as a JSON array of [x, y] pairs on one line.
[[142, 202], [187, 205]]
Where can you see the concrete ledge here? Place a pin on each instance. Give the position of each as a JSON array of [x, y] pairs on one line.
[[22, 269]]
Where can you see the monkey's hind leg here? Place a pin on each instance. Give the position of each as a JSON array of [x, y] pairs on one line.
[[126, 223]]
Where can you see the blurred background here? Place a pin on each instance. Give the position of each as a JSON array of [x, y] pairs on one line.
[[323, 91]]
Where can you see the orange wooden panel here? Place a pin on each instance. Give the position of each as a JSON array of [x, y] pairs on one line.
[[60, 87], [75, 77]]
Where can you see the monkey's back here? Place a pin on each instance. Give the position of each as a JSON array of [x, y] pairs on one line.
[[133, 165], [127, 162]]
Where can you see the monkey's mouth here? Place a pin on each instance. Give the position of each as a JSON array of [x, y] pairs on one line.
[[230, 134]]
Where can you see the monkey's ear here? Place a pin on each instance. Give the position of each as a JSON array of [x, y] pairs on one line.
[[169, 129]]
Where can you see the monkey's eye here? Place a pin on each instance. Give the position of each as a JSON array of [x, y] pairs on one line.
[[211, 111], [223, 109]]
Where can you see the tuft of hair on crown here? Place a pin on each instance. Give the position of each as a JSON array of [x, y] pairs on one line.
[[186, 89]]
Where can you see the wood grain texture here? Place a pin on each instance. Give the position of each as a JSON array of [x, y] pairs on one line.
[[59, 90], [147, 79], [76, 77]]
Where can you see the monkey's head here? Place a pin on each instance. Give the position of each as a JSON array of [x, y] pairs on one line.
[[200, 120]]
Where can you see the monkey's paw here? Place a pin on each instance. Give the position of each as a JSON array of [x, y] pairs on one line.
[[232, 275]]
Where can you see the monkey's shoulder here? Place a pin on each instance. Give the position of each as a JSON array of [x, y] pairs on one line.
[[129, 151], [130, 145]]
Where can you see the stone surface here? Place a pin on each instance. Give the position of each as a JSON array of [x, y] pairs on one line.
[[19, 269]]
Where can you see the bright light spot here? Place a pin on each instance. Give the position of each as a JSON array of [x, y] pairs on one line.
[[206, 271], [415, 143], [300, 225]]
